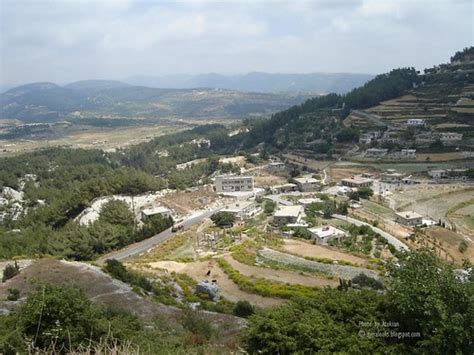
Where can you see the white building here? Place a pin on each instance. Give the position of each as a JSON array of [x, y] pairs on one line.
[[408, 153], [450, 137], [233, 183], [369, 137], [357, 181], [409, 218], [243, 209], [155, 210], [415, 122], [276, 166], [375, 153], [391, 177], [324, 234], [288, 215], [307, 184], [278, 189]]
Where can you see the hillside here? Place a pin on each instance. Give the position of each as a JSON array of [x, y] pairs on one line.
[[442, 97], [316, 83], [48, 102]]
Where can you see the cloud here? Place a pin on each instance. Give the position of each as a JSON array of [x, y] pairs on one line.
[[79, 39]]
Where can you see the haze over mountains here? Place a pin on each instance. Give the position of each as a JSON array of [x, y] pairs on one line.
[[206, 95], [317, 83]]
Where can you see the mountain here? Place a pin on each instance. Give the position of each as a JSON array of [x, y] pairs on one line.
[[48, 102], [442, 97], [316, 83]]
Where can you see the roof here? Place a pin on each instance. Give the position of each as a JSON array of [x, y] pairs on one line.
[[325, 231], [409, 214], [234, 177], [155, 210], [289, 211], [284, 185], [357, 180], [306, 180]]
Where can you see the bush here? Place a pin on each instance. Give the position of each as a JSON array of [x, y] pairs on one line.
[[363, 280], [13, 294], [243, 309], [223, 219], [10, 271], [462, 246], [195, 323]]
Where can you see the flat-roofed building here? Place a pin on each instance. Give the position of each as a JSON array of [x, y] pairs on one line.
[[357, 181], [234, 183], [276, 166], [307, 184], [288, 215], [450, 136], [375, 153], [415, 122], [278, 189], [324, 234], [409, 218], [155, 210], [408, 154], [243, 209], [391, 177]]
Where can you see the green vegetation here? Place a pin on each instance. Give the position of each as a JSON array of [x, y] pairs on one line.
[[426, 309], [264, 287], [223, 219], [243, 309], [60, 319], [269, 207], [10, 271]]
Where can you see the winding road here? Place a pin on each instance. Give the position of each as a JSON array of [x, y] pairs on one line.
[[148, 243]]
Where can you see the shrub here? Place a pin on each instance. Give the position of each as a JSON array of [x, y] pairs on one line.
[[243, 309], [13, 294], [10, 271], [195, 323]]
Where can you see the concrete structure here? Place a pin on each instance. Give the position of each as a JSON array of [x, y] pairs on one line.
[[447, 137], [415, 122], [375, 153], [234, 183], [369, 137], [408, 153], [448, 173], [153, 211], [243, 209], [307, 184], [409, 218], [324, 234], [278, 189], [391, 177], [276, 166], [288, 215], [438, 173], [357, 181]]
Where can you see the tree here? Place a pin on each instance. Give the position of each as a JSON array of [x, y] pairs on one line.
[[365, 192], [116, 212], [427, 297], [223, 219], [269, 207], [10, 271]]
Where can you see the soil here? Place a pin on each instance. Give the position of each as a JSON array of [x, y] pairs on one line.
[[305, 249]]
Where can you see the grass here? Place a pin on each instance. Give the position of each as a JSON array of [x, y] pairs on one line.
[[167, 249], [377, 209], [265, 287]]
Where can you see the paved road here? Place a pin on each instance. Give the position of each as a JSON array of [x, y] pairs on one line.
[[148, 243], [279, 200], [390, 238]]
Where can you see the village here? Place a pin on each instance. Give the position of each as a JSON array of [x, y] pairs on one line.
[[282, 222]]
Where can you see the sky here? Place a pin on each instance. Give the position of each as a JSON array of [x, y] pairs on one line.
[[68, 40]]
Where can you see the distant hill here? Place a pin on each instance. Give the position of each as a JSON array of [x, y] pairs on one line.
[[317, 83], [442, 97], [48, 102]]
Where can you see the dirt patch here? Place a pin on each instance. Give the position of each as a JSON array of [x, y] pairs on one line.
[[449, 241], [311, 250], [342, 172], [185, 202], [228, 289]]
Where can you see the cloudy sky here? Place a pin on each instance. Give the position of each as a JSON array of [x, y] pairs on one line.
[[63, 41]]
